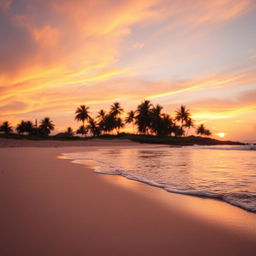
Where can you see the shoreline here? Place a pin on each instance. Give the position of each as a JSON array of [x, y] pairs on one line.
[[148, 183], [54, 207]]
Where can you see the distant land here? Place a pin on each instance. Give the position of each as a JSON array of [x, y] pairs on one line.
[[166, 140]]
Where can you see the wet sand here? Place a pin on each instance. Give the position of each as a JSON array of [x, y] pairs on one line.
[[50, 206]]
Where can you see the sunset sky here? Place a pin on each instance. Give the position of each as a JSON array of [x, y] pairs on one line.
[[58, 54]]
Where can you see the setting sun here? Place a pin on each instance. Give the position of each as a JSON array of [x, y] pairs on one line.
[[221, 134]]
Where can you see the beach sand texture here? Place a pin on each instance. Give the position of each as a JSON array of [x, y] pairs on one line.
[[50, 206]]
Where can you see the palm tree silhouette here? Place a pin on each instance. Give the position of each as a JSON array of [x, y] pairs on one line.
[[184, 116], [46, 126], [93, 127], [143, 118], [81, 130], [6, 127], [165, 125], [82, 114], [130, 118], [118, 124], [201, 130], [21, 127], [188, 124], [156, 120], [109, 122], [69, 131], [102, 120], [116, 109]]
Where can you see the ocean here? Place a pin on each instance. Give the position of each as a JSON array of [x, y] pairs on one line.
[[226, 173]]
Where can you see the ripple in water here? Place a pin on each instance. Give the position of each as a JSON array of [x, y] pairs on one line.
[[226, 173]]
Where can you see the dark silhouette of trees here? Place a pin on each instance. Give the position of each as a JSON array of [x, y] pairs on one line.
[[69, 131], [201, 130], [113, 119], [25, 127], [118, 124], [109, 124], [93, 127], [21, 127], [183, 115], [46, 126], [82, 114], [156, 120], [116, 109], [101, 118], [81, 130], [6, 127], [178, 130], [143, 117], [149, 120], [130, 118], [165, 126], [188, 124]]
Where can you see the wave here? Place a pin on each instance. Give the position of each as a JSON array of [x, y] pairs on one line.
[[251, 147], [244, 201]]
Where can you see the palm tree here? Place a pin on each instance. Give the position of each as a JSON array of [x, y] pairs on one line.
[[143, 118], [29, 127], [182, 114], [69, 131], [201, 130], [82, 114], [81, 130], [21, 127], [46, 126], [177, 130], [116, 109], [188, 124], [156, 119], [102, 119], [118, 124], [93, 127], [109, 122], [165, 127], [130, 118], [6, 127]]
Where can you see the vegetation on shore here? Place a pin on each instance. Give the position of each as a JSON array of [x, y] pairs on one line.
[[152, 126], [181, 141]]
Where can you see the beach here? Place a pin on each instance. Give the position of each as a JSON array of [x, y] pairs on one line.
[[51, 206]]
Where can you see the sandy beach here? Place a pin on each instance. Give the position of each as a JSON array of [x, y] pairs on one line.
[[50, 206]]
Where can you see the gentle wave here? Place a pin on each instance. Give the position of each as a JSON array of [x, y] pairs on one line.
[[243, 201], [242, 147], [171, 174]]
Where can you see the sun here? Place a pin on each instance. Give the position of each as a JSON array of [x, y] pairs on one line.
[[221, 134]]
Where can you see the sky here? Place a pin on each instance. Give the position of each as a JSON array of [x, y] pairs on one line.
[[58, 54]]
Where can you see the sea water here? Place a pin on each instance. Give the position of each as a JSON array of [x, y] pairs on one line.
[[225, 173]]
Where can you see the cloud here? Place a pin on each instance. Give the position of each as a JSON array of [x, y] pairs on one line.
[[56, 54]]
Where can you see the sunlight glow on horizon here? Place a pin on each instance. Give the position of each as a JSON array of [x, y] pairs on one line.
[[221, 134]]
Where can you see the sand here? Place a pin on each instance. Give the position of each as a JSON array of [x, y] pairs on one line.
[[50, 206]]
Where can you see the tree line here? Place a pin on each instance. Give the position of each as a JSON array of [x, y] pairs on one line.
[[147, 118], [27, 127]]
